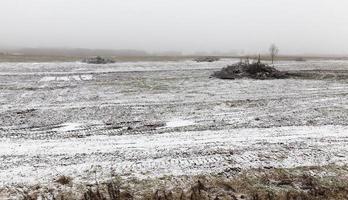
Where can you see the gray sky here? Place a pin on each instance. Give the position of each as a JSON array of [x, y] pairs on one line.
[[296, 26]]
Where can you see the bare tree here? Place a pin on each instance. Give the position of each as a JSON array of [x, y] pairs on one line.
[[273, 50]]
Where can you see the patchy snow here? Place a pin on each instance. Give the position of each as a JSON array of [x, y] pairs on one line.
[[67, 78], [176, 153], [206, 125]]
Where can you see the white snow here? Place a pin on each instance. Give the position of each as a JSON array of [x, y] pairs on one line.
[[86, 77], [179, 123], [48, 78], [68, 127]]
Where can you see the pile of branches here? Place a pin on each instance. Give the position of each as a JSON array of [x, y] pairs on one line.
[[97, 60], [256, 70], [207, 59]]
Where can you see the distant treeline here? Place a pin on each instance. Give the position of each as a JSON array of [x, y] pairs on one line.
[[76, 52]]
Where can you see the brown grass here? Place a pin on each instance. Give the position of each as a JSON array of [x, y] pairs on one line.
[[63, 180], [308, 183]]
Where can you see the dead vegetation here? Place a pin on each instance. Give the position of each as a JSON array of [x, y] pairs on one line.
[[255, 70], [64, 180], [98, 60], [263, 71], [207, 59], [306, 183]]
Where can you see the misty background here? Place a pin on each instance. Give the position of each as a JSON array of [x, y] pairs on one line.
[[235, 26]]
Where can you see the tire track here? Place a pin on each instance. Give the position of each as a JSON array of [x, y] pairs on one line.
[[177, 153]]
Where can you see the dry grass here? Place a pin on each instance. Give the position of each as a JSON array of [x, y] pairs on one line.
[[64, 180], [311, 183]]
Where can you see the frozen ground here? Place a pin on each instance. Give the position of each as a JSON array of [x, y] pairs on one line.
[[149, 119]]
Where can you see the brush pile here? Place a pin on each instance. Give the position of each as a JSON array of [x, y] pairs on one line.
[[256, 70], [207, 59], [97, 60]]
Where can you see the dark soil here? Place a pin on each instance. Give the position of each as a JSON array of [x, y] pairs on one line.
[[245, 70]]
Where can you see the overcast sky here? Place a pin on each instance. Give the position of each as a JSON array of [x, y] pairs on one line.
[[296, 26]]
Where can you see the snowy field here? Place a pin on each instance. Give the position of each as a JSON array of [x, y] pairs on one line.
[[150, 119]]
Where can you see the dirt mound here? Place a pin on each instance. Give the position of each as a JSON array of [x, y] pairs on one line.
[[245, 70], [97, 60], [207, 59]]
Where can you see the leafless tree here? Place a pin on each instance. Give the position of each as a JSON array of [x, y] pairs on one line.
[[273, 50]]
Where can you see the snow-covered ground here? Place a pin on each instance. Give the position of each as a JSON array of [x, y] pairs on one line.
[[175, 153], [149, 119]]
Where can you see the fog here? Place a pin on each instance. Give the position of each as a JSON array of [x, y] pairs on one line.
[[296, 26]]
